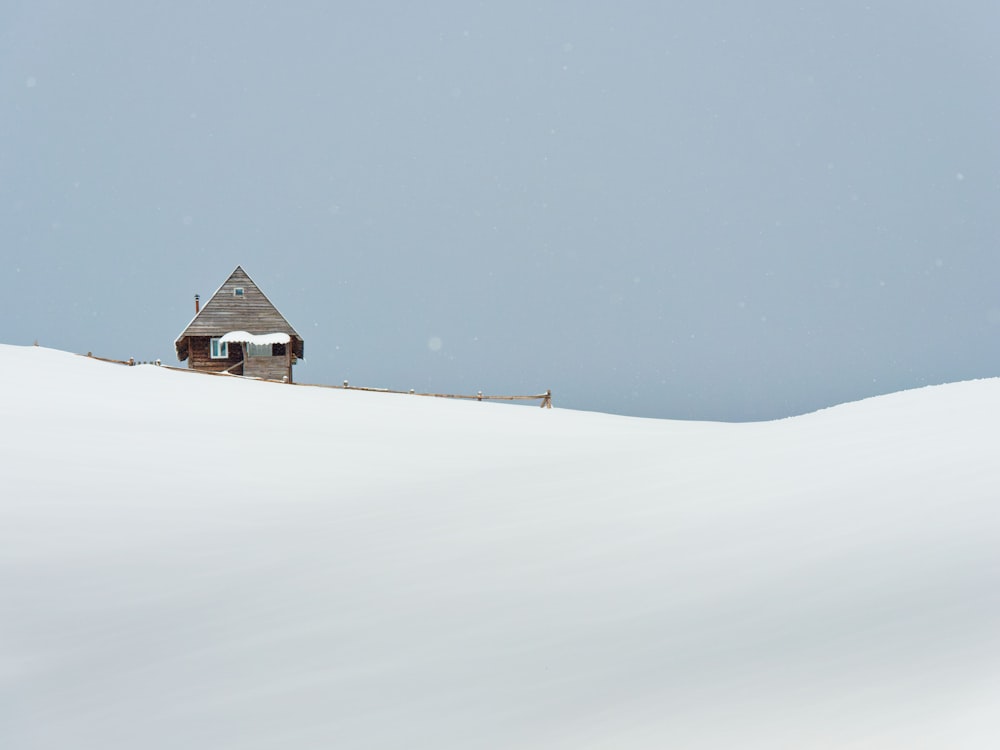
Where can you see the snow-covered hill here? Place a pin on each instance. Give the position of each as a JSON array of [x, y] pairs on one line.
[[204, 562]]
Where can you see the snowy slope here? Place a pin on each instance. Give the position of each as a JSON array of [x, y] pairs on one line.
[[388, 571]]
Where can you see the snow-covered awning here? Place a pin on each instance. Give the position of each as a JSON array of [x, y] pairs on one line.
[[242, 337]]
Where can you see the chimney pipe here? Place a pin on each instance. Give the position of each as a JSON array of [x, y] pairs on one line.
[[197, 304]]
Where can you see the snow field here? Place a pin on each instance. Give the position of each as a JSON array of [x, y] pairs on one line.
[[207, 562]]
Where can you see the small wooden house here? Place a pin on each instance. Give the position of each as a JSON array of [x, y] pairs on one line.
[[239, 331]]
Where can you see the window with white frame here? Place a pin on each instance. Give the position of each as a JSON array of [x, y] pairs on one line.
[[238, 291], [220, 349], [259, 350]]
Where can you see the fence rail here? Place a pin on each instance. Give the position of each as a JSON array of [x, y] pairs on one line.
[[545, 398]]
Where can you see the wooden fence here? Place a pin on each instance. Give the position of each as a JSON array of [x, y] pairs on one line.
[[545, 398]]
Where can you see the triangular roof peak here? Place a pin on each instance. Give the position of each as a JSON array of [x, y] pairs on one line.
[[237, 305]]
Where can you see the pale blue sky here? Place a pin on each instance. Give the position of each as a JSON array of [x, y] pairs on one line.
[[720, 210]]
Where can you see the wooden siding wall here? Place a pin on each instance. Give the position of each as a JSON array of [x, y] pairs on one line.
[[274, 367], [200, 356]]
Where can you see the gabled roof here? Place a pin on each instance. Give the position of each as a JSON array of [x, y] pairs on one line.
[[226, 311]]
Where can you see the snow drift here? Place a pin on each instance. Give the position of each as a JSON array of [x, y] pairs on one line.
[[208, 562]]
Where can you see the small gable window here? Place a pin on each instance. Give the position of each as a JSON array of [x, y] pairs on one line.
[[238, 291], [220, 349]]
